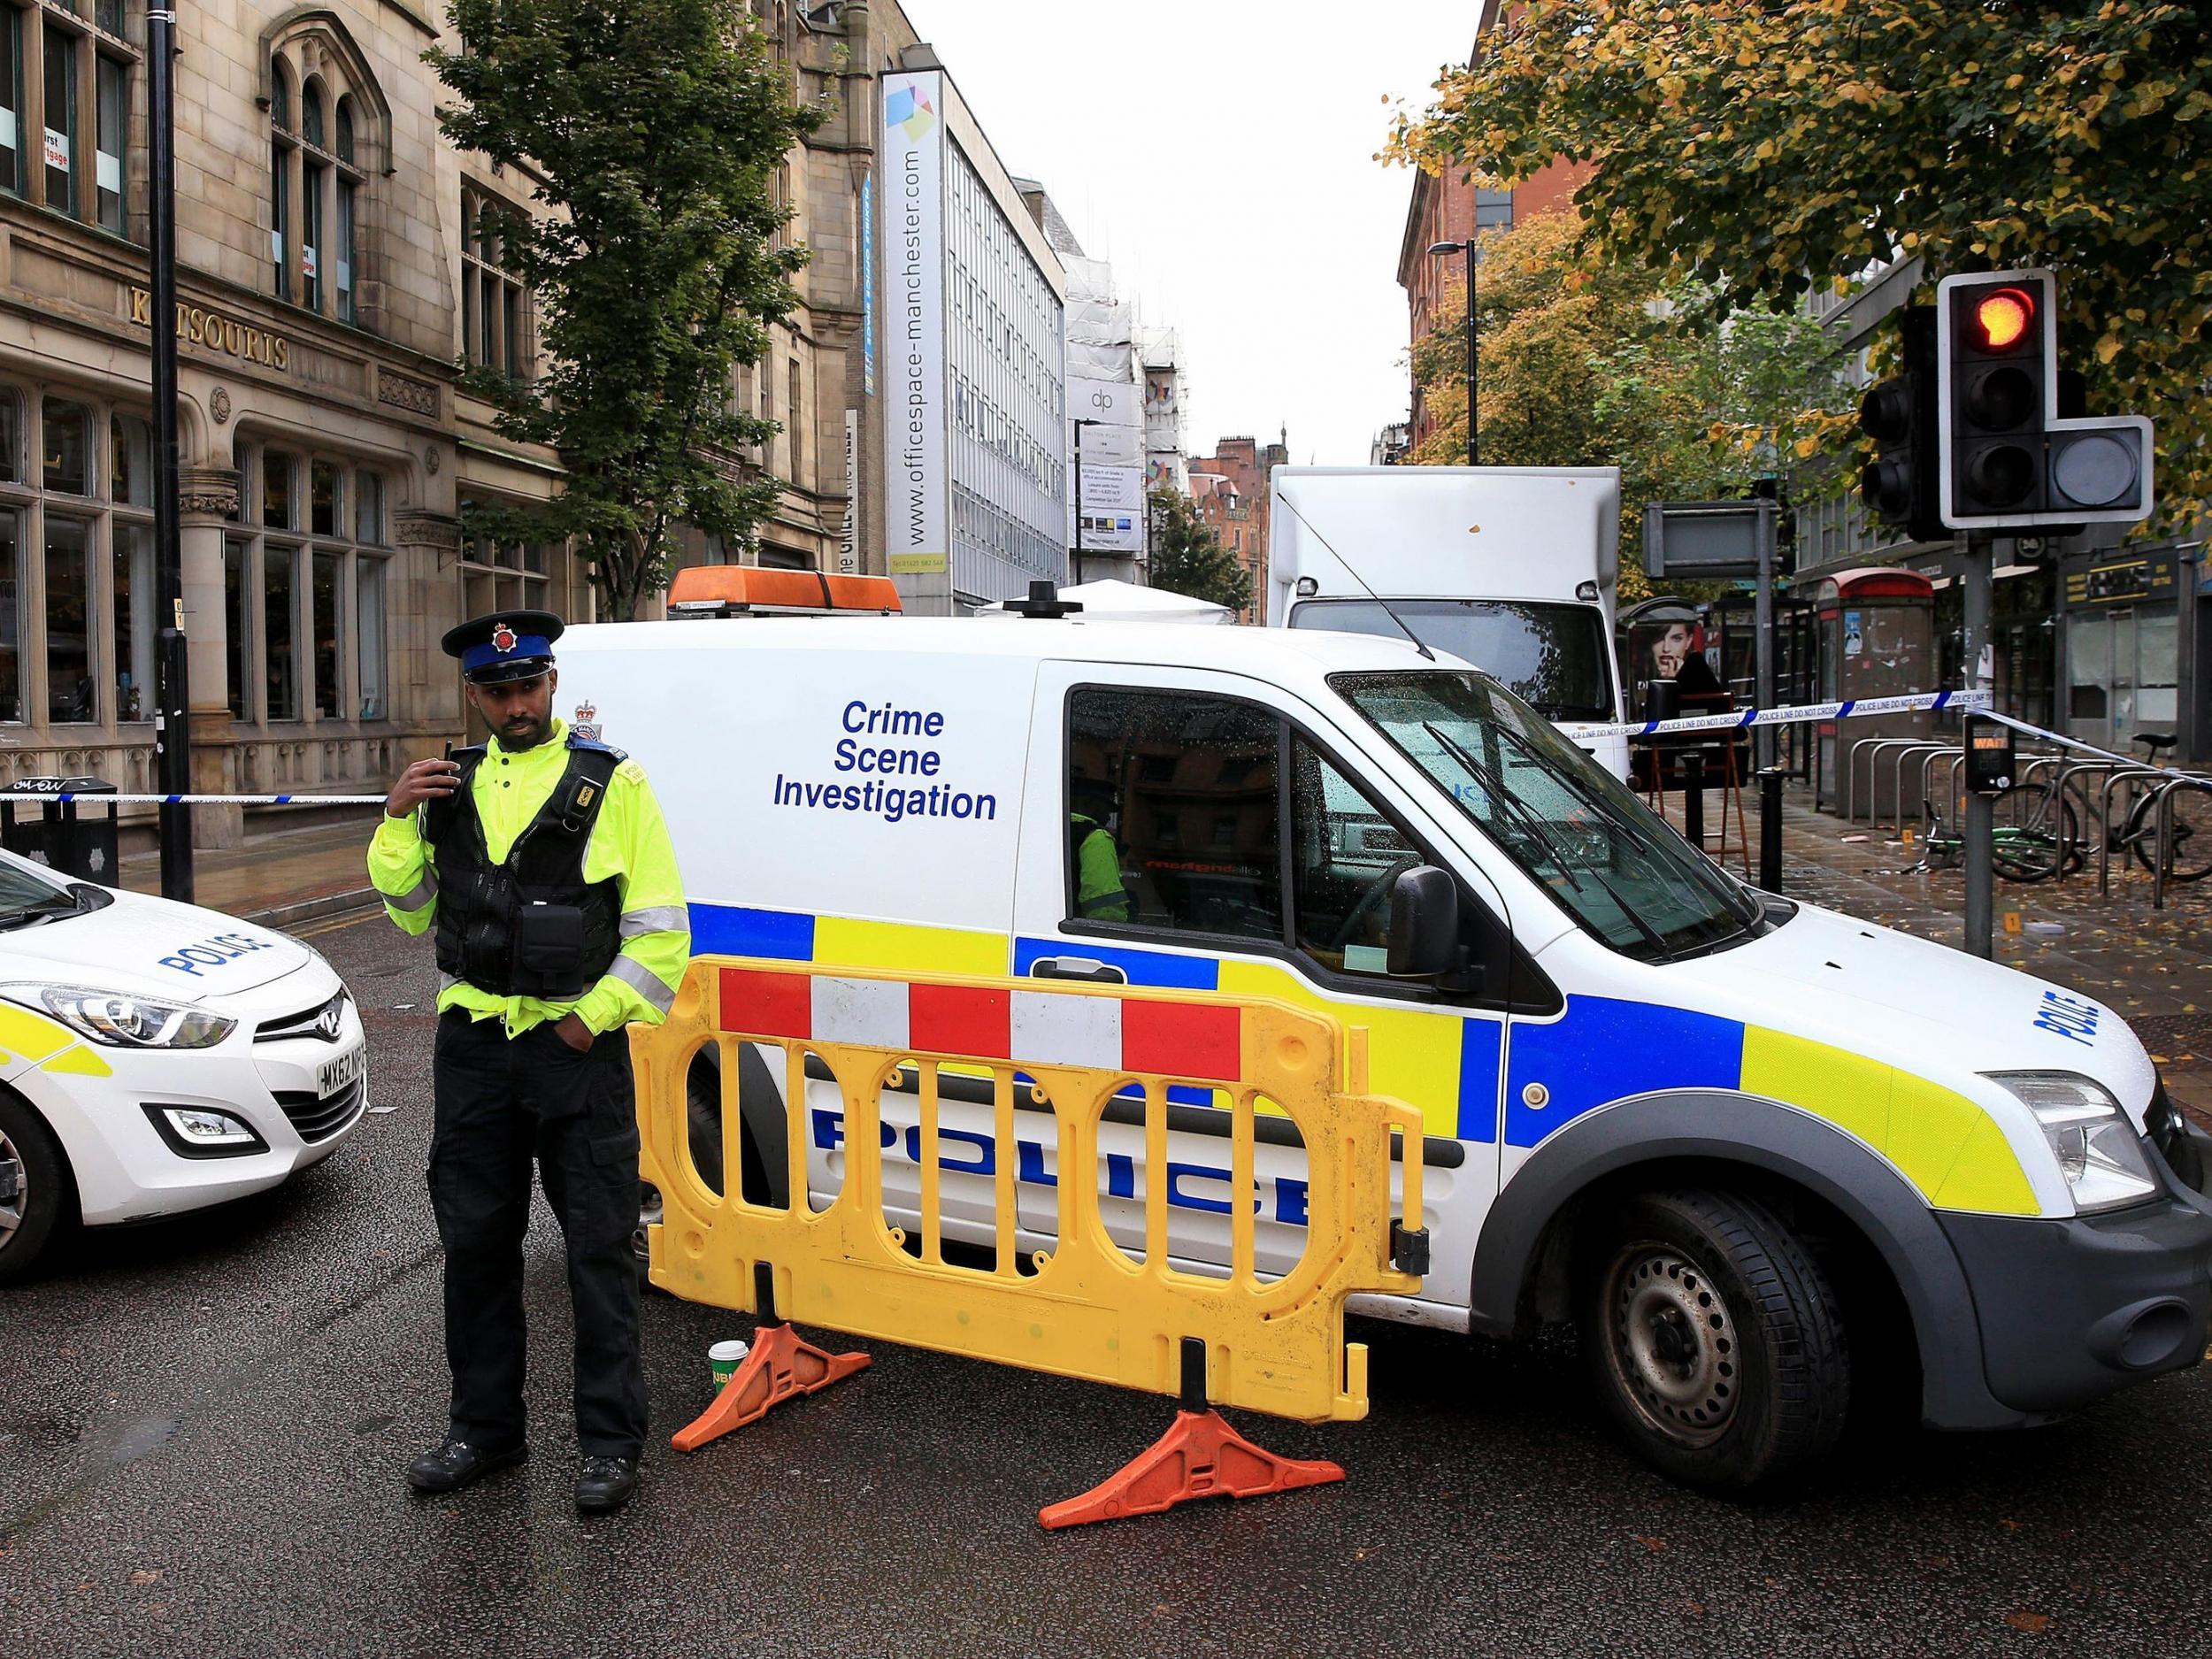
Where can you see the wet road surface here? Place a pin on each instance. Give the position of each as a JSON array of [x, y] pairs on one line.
[[202, 1425]]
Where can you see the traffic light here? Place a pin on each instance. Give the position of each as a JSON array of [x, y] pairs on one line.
[[2007, 457], [1899, 484]]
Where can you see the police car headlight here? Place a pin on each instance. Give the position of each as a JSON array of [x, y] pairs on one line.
[[2097, 1148], [126, 1022]]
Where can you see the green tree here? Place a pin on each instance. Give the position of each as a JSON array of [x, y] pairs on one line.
[[1590, 364], [1187, 556], [652, 130], [1764, 148]]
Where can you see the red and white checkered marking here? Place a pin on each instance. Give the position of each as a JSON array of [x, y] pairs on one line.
[[1193, 1039]]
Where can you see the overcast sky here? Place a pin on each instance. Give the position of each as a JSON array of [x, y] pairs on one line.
[[1219, 153]]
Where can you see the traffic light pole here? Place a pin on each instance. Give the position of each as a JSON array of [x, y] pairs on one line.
[[1981, 808]]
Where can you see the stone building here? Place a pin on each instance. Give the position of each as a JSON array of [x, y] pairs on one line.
[[1449, 207], [1230, 490], [331, 271]]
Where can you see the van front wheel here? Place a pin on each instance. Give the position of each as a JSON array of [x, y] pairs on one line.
[[1713, 1337]]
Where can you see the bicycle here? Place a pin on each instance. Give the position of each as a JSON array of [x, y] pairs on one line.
[[2192, 819], [2043, 838]]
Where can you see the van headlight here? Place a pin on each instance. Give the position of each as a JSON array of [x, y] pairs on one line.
[[125, 1022], [2097, 1148]]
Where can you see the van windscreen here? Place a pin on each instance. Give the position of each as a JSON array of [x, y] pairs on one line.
[[1626, 876], [1552, 657]]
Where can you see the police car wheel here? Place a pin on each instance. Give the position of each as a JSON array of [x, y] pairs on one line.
[[35, 1195], [1714, 1339]]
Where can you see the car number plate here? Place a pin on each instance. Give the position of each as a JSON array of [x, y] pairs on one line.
[[344, 1071]]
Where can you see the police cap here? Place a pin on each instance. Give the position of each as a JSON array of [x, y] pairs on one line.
[[505, 645]]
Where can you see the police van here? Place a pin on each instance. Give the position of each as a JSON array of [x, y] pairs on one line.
[[157, 1058], [1759, 1152]]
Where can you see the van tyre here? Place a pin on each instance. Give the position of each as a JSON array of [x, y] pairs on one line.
[[36, 1195], [1714, 1338]]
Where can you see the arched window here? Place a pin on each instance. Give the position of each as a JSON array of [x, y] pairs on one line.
[[280, 152], [316, 172]]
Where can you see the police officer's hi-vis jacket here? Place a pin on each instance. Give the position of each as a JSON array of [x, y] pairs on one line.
[[628, 853]]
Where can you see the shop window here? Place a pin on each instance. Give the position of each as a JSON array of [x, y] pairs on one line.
[[323, 598], [133, 583], [11, 99], [280, 623], [112, 99], [10, 616], [323, 504], [368, 507], [68, 448], [368, 618], [130, 462], [61, 119], [279, 475], [71, 695], [237, 620]]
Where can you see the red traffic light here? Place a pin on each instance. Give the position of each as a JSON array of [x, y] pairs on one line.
[[2003, 317]]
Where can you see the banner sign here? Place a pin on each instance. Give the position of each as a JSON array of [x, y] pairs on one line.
[[1117, 402], [848, 540], [868, 285], [917, 522]]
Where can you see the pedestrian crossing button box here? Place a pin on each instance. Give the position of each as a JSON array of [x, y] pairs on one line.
[[1989, 757]]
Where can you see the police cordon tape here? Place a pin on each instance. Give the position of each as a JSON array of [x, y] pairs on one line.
[[95, 797], [1850, 708]]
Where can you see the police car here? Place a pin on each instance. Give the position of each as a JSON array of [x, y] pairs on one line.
[[156, 1058], [1757, 1151]]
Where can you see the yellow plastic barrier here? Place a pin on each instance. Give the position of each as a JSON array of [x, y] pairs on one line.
[[1085, 1308]]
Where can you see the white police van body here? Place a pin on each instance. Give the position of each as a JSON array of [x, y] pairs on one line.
[[157, 1058], [1751, 1146]]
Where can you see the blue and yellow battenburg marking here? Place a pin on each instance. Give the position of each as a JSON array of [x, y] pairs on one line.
[[1448, 1063]]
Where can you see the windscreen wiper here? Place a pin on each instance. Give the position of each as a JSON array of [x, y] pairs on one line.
[[50, 908], [1488, 776]]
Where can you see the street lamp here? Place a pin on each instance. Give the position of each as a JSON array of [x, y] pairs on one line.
[[1081, 421], [1473, 382]]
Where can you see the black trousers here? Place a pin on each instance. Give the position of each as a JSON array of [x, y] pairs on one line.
[[502, 1103]]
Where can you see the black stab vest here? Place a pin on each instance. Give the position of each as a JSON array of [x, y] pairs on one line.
[[531, 927]]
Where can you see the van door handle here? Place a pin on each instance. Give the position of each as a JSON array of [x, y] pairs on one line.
[[1076, 968]]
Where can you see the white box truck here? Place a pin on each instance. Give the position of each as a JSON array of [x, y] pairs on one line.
[[1513, 569]]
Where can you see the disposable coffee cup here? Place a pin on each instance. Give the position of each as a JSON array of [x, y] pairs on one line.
[[724, 1358]]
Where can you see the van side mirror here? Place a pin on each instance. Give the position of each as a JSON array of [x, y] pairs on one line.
[[1423, 923]]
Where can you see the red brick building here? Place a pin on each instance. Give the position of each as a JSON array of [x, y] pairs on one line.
[[1450, 209], [1229, 489]]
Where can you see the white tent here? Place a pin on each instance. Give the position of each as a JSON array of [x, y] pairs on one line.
[[1112, 600]]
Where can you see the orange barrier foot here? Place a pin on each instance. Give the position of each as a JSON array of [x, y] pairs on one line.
[[781, 1366], [1201, 1457]]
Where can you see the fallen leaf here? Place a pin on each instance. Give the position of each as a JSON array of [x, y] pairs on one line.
[[2029, 1622], [2010, 1526], [1654, 1545], [145, 1575]]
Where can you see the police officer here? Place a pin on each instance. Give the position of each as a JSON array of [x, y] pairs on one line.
[[1100, 895], [543, 861]]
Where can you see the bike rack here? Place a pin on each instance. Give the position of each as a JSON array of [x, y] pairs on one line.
[[2161, 866], [2116, 774], [1932, 748], [1851, 775]]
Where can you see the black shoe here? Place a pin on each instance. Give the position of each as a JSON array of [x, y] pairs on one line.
[[454, 1463], [606, 1484]]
